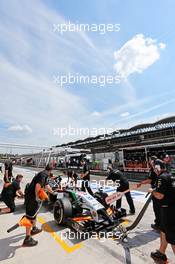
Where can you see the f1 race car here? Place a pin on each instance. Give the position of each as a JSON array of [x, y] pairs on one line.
[[85, 213]]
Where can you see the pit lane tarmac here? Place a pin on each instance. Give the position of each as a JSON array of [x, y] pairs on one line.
[[60, 245]]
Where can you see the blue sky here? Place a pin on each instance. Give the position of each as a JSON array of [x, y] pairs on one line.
[[31, 53]]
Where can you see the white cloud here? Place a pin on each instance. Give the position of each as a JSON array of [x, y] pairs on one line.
[[39, 101], [97, 114], [125, 114], [162, 45], [148, 110], [136, 55], [27, 67], [20, 128]]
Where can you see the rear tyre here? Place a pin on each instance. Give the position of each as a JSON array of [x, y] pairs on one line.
[[62, 210]]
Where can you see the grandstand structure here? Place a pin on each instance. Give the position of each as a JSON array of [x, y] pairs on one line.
[[127, 149], [131, 148]]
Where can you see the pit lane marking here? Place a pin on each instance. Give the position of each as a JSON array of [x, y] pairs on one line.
[[57, 238], [61, 242], [125, 222]]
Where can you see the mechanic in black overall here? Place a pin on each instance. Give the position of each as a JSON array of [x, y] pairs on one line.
[[118, 177], [9, 192], [8, 175], [153, 179], [85, 176], [69, 175], [32, 203], [165, 192]]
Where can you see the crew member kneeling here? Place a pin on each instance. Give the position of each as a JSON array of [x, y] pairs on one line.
[[9, 192]]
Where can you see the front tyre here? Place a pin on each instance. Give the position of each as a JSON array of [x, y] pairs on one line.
[[62, 210]]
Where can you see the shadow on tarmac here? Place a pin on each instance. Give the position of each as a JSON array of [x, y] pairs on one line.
[[6, 250], [142, 238]]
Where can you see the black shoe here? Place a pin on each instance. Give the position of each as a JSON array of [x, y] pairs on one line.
[[29, 242], [132, 212], [157, 255], [155, 227], [35, 231]]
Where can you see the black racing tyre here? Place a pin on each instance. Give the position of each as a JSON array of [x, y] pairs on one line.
[[62, 210]]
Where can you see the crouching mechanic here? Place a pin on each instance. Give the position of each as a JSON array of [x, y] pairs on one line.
[[33, 204], [9, 193], [165, 192]]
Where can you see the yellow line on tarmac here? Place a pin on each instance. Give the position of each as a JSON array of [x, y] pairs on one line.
[[125, 222], [57, 238]]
